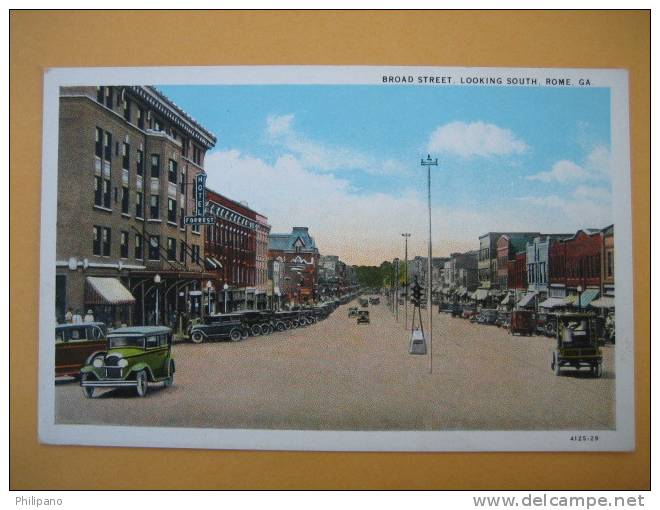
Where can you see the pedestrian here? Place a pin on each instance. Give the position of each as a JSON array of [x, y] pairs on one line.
[[76, 318], [89, 317], [68, 316]]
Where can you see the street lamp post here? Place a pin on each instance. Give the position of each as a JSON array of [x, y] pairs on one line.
[[157, 282], [579, 289], [209, 288], [396, 289], [225, 287], [428, 163], [405, 285]]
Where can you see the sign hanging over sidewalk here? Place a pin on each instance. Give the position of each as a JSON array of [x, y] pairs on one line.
[[200, 201]]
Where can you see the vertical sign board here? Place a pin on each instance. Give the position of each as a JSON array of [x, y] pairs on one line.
[[200, 202]]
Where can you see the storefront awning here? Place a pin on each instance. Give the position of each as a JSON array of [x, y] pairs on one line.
[[210, 263], [526, 299], [106, 291], [506, 299], [586, 297], [603, 302], [462, 291], [480, 294], [552, 302]]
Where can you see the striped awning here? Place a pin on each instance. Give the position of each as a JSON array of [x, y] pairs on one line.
[[481, 294], [506, 299], [107, 291], [552, 302]]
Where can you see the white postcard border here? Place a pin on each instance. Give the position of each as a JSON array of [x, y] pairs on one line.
[[621, 439]]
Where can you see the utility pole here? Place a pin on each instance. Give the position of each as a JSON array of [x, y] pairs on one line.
[[428, 163], [396, 291], [406, 236]]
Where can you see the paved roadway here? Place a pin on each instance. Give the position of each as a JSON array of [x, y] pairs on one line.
[[336, 375]]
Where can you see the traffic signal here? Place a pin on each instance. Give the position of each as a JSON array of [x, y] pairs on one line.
[[417, 294]]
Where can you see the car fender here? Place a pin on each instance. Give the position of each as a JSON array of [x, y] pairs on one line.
[[200, 330], [141, 366]]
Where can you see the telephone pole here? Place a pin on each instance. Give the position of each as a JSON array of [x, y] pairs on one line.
[[428, 163]]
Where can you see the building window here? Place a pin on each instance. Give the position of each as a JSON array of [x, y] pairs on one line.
[[182, 186], [138, 247], [171, 210], [154, 248], [195, 253], [98, 191], [184, 147], [195, 228], [155, 207], [124, 199], [100, 94], [107, 146], [181, 218], [610, 264], [98, 147], [172, 171], [106, 238], [138, 205], [155, 165], [106, 193], [123, 247], [171, 248], [108, 97], [139, 166], [197, 155], [96, 240], [125, 156], [140, 118], [182, 252], [127, 109]]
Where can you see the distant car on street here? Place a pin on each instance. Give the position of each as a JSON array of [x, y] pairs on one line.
[[363, 317], [134, 357], [374, 300], [487, 316], [352, 311]]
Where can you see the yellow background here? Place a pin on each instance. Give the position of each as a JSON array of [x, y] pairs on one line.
[[441, 38]]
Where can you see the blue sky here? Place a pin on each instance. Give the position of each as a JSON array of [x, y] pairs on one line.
[[509, 158]]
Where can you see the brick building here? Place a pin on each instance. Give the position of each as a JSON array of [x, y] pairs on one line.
[[232, 243], [508, 246], [489, 277], [264, 291], [126, 157], [575, 263], [299, 256]]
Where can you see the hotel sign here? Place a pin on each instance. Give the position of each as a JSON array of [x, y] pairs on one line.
[[200, 201]]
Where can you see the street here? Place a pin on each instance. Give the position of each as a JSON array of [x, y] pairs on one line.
[[337, 375]]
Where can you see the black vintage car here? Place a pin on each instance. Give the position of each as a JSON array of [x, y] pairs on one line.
[[487, 316], [219, 327], [363, 317]]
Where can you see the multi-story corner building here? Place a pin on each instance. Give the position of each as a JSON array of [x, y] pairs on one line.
[[298, 254], [232, 242], [126, 160], [263, 291], [460, 274], [538, 263]]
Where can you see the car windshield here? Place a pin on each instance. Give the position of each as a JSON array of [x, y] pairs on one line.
[[126, 341]]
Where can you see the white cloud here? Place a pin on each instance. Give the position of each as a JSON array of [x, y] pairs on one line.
[[596, 167], [323, 157], [475, 139], [562, 171]]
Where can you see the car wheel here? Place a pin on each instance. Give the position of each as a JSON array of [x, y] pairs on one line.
[[289, 325], [142, 383], [197, 337], [281, 326], [87, 391], [255, 330], [170, 377], [598, 370], [235, 335]]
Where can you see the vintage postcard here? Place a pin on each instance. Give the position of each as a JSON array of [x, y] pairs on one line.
[[337, 258]]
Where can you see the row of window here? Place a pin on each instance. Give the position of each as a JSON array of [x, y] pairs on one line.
[[536, 273], [225, 236], [104, 95], [582, 267], [102, 241]]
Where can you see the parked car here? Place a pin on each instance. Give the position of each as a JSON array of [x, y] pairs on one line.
[[468, 312], [352, 311], [577, 344], [546, 324], [456, 310], [374, 300], [364, 302], [219, 327], [134, 357], [363, 317], [75, 345], [487, 316], [523, 322], [503, 319]]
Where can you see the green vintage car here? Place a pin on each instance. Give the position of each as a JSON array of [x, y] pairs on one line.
[[134, 357]]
